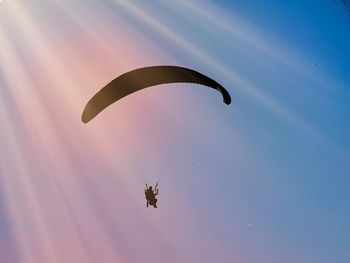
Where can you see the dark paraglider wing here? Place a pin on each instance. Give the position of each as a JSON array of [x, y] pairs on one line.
[[141, 78]]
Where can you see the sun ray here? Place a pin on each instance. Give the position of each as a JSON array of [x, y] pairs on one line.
[[238, 82]]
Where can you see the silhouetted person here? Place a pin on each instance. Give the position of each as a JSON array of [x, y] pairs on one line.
[[151, 196]]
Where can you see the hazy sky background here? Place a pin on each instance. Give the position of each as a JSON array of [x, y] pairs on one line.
[[265, 179]]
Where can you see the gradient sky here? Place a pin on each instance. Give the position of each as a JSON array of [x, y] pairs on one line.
[[263, 180]]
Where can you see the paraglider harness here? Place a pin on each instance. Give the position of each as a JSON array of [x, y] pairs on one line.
[[150, 195]]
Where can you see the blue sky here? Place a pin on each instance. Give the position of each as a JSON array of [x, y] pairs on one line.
[[263, 180]]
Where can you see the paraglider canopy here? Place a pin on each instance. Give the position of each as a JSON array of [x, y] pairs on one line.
[[141, 78]]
